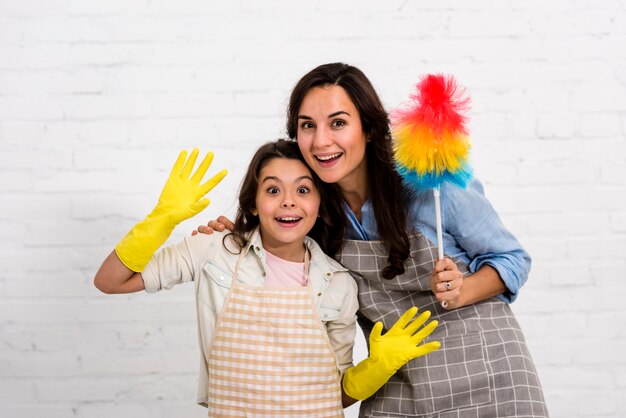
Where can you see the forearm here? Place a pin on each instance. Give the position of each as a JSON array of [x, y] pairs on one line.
[[114, 277], [482, 285]]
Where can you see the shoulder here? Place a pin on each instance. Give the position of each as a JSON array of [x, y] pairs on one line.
[[209, 240], [474, 188], [207, 245], [319, 258], [469, 199], [338, 276], [420, 206]]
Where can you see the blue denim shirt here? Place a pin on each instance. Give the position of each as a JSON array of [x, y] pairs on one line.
[[472, 232]]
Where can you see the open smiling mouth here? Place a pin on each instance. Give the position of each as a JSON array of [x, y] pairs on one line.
[[328, 158], [288, 220]]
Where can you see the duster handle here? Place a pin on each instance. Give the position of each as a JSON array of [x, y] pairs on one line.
[[437, 194]]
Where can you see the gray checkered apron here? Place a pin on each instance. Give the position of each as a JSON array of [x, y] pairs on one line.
[[483, 368]]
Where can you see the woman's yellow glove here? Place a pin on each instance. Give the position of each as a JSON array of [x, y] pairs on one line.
[[182, 197], [388, 353]]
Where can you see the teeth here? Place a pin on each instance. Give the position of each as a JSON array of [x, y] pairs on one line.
[[289, 219], [328, 157]]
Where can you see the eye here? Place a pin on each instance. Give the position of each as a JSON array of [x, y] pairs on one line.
[[307, 125], [338, 123], [272, 190], [304, 190]]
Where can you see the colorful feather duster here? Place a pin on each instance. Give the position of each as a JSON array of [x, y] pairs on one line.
[[431, 142]]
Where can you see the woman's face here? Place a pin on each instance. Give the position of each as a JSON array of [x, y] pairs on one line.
[[330, 136]]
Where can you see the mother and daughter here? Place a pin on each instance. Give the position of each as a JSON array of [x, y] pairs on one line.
[[276, 316]]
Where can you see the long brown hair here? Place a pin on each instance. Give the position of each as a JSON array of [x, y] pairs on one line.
[[388, 197], [245, 221]]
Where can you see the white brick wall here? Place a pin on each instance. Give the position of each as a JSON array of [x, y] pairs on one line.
[[97, 97]]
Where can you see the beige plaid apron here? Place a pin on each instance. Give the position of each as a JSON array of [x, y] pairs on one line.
[[483, 368], [271, 356]]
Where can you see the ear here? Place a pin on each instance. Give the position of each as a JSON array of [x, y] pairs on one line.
[[254, 211]]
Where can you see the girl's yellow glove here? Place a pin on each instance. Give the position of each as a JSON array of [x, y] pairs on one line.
[[388, 353], [182, 197]]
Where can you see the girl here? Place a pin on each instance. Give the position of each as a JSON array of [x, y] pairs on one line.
[[276, 316]]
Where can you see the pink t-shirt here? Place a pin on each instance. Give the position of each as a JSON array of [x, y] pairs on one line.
[[282, 273]]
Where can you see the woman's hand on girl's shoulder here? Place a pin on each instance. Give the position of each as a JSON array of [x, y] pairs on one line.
[[219, 224]]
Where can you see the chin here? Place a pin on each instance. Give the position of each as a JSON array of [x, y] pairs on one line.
[[329, 177]]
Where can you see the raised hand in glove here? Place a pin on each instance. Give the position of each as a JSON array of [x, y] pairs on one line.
[[388, 353], [182, 197]]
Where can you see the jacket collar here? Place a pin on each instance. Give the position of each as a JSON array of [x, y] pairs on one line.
[[324, 262]]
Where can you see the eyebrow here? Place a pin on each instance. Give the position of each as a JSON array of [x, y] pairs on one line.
[[332, 115], [277, 179]]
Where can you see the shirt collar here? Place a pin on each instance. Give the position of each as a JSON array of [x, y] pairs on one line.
[[317, 255], [254, 242]]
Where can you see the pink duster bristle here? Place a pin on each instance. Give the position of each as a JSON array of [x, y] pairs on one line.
[[431, 139]]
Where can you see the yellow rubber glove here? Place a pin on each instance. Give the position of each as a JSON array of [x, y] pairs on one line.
[[388, 353], [181, 198]]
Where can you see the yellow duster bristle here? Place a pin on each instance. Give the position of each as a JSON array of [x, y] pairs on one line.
[[418, 149]]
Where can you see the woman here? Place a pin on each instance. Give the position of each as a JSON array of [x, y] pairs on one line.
[[484, 367]]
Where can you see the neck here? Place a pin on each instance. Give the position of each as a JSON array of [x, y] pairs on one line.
[[355, 189], [290, 252]]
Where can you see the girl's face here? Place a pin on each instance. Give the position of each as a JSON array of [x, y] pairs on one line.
[[287, 204], [331, 137]]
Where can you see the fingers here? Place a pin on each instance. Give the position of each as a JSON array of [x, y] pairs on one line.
[[444, 271], [228, 224], [449, 291], [191, 161], [215, 225], [425, 332], [404, 319], [203, 229], [220, 224], [427, 348], [376, 331], [448, 283], [419, 321], [183, 167], [178, 165], [444, 264], [213, 181], [199, 206], [202, 168]]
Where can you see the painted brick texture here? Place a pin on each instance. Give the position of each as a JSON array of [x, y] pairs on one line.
[[97, 98]]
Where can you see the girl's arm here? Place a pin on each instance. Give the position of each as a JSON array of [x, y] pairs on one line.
[[182, 197], [114, 277], [342, 331]]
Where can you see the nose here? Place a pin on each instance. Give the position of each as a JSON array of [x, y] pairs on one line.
[[322, 137], [288, 200]]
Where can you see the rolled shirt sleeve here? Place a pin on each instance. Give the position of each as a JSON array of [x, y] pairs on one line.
[[175, 264], [478, 231], [342, 331]]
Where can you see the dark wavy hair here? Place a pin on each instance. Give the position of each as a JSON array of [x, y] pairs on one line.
[[385, 184], [246, 221]]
